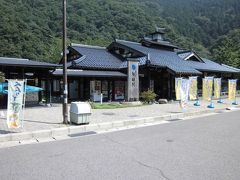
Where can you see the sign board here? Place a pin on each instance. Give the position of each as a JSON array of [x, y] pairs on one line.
[[133, 80]]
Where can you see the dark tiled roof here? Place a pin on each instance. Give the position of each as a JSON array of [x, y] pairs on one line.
[[89, 73], [4, 61], [96, 57], [158, 43], [230, 67], [209, 65], [175, 61], [205, 64], [162, 58], [100, 58]]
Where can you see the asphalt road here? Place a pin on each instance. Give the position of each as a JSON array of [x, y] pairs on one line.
[[203, 148]]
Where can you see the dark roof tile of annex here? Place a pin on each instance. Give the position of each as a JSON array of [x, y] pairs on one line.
[[233, 68], [205, 65], [96, 57], [209, 66], [5, 61]]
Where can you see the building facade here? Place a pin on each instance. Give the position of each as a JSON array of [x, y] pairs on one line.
[[94, 70]]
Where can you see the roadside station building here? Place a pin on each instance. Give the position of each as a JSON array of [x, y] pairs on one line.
[[119, 72], [93, 70]]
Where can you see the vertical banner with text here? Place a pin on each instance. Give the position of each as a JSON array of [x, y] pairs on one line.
[[232, 87], [217, 87], [178, 84], [184, 91], [207, 88], [15, 103], [193, 88]]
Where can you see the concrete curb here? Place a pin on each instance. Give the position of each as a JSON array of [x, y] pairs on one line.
[[73, 130]]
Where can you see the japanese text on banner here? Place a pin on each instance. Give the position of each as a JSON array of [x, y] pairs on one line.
[[232, 87], [193, 88], [207, 88], [217, 87], [178, 84], [15, 103]]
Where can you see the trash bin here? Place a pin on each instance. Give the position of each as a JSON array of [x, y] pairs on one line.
[[80, 112]]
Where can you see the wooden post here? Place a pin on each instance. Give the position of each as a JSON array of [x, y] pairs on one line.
[[65, 92]]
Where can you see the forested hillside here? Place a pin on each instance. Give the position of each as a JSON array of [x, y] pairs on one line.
[[32, 28]]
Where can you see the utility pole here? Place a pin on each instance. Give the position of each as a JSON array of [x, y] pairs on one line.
[[65, 88]]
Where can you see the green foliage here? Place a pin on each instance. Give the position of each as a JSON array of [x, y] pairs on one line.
[[227, 49], [33, 28], [148, 96], [95, 105]]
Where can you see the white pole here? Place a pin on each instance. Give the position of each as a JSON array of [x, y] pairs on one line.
[[101, 98]]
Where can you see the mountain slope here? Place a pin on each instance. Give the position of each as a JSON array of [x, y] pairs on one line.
[[32, 28]]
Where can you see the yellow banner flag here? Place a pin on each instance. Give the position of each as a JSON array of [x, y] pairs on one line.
[[193, 88], [178, 84], [207, 88], [217, 88], [232, 87]]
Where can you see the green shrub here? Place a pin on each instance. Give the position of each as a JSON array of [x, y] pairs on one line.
[[148, 96]]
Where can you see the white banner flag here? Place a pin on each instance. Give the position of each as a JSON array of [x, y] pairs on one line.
[[15, 103], [184, 91]]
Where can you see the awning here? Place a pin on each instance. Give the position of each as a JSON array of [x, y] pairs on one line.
[[89, 73], [29, 89]]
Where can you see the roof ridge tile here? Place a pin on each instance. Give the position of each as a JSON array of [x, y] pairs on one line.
[[121, 40], [88, 46]]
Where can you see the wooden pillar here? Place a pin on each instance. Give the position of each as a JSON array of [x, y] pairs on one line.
[[108, 90], [40, 92], [171, 87], [149, 79], [79, 88], [48, 91], [113, 90]]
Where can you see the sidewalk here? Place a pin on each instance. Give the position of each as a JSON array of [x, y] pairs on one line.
[[46, 119]]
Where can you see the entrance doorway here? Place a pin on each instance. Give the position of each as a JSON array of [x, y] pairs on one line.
[[73, 89]]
